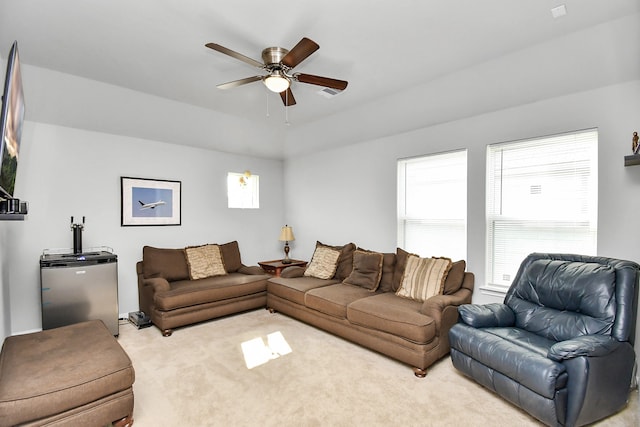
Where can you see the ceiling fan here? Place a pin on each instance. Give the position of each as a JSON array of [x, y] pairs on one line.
[[278, 63]]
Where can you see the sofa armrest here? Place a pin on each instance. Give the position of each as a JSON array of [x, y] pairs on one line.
[[487, 315], [443, 308], [158, 284], [253, 269], [586, 345], [291, 272], [437, 303]]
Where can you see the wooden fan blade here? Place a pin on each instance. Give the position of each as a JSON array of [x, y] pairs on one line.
[[235, 54], [321, 81], [300, 52], [236, 83], [287, 98]]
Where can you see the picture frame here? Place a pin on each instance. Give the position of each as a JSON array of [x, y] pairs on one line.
[[150, 202]]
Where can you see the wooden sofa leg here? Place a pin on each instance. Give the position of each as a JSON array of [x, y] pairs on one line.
[[271, 310], [167, 332], [420, 373], [123, 422]]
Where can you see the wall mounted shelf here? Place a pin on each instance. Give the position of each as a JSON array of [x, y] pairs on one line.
[[633, 159], [12, 217]]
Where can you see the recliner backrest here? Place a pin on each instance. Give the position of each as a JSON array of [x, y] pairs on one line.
[[562, 296]]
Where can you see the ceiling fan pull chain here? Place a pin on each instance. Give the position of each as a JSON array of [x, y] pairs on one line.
[[267, 97], [286, 110]]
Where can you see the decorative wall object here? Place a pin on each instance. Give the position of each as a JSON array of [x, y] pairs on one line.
[[150, 202]]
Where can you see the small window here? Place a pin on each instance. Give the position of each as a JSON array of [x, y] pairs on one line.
[[243, 190]]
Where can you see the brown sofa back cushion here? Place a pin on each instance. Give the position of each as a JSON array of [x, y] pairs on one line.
[[169, 264], [388, 270], [231, 256]]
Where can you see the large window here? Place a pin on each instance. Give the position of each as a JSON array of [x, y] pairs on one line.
[[243, 190], [541, 197], [432, 205]]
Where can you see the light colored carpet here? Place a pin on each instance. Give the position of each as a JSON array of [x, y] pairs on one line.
[[198, 377]]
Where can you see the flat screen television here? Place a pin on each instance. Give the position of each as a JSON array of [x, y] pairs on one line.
[[11, 118]]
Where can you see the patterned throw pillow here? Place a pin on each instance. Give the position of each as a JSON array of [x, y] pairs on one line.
[[204, 261], [324, 263], [423, 277]]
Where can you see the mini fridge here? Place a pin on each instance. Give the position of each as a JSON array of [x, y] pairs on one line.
[[79, 287]]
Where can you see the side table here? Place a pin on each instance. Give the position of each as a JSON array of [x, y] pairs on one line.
[[275, 267]]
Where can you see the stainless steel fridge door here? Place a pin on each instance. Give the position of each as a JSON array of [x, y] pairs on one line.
[[72, 294]]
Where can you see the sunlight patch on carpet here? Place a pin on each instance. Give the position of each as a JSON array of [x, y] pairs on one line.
[[257, 352]]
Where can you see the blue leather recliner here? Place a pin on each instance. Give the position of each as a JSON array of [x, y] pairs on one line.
[[561, 345]]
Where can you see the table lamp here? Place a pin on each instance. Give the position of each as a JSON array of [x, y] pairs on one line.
[[286, 236]]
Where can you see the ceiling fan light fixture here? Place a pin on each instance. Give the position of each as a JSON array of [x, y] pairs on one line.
[[277, 82]]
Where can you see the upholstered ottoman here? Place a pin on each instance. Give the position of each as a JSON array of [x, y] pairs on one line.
[[76, 375]]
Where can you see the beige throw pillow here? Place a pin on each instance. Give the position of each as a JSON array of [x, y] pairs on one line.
[[323, 263], [204, 261], [423, 277]]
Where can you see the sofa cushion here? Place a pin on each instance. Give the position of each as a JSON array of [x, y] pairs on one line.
[[401, 263], [169, 264], [367, 269], [510, 358], [186, 293], [423, 277], [334, 299], [231, 256], [345, 262], [293, 289], [323, 263], [398, 316], [455, 277], [204, 261]]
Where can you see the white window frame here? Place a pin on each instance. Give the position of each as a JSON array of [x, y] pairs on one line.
[[537, 205], [243, 190], [432, 201]]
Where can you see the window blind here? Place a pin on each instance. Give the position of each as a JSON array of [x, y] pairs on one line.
[[432, 204], [541, 197]]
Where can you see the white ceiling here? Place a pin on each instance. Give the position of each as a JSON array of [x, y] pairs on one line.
[[383, 48]]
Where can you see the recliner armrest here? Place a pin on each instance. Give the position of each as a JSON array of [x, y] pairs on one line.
[[487, 315], [157, 283], [586, 345]]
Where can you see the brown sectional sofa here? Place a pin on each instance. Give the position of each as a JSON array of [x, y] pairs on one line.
[[171, 299], [346, 304], [411, 331]]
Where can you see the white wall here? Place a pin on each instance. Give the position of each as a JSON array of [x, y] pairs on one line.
[[66, 172], [349, 194], [5, 314]]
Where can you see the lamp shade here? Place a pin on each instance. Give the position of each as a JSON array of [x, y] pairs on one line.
[[286, 234]]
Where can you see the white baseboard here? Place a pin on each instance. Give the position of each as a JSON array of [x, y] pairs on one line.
[[28, 331]]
